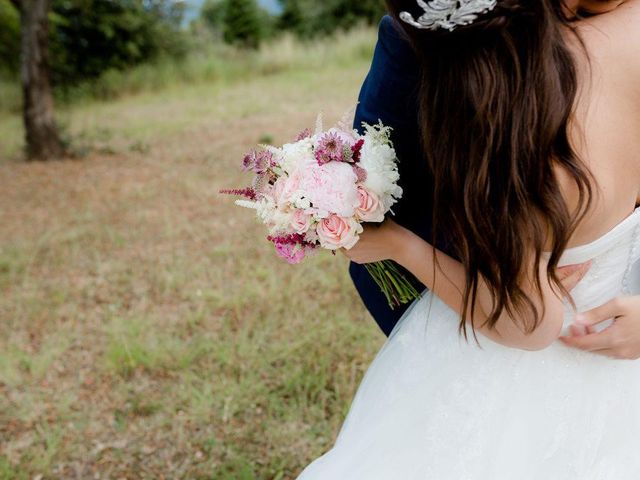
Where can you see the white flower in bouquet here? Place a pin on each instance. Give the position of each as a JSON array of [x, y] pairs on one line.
[[296, 156], [378, 159]]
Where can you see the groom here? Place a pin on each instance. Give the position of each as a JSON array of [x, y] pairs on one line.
[[390, 94]]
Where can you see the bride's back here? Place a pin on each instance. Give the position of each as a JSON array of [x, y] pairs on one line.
[[532, 141], [606, 127]]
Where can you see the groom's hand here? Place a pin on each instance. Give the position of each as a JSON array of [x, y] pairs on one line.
[[620, 340]]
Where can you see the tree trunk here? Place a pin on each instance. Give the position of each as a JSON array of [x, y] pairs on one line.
[[42, 136]]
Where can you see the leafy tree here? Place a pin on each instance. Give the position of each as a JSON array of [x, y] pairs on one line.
[[344, 14], [242, 23], [292, 18], [92, 36], [9, 37], [309, 17], [212, 14]]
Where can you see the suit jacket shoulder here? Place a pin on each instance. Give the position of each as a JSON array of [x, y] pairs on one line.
[[392, 39], [389, 91]]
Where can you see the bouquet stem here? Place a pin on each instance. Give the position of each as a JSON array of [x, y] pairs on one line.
[[394, 285]]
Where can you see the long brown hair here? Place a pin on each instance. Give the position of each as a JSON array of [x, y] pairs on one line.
[[496, 104]]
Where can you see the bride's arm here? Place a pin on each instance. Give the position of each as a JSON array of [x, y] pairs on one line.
[[448, 281], [446, 277]]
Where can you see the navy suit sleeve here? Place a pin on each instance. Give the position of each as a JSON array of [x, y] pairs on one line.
[[389, 94]]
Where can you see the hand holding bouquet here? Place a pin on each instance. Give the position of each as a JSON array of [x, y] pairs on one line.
[[316, 193]]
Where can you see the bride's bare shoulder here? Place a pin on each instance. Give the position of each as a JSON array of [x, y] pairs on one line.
[[613, 40], [615, 33], [612, 74]]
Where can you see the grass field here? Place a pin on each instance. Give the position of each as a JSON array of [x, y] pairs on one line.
[[146, 330]]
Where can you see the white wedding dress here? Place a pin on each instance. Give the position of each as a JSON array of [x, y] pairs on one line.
[[432, 406]]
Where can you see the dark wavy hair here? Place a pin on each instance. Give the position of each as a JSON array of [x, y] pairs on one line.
[[496, 103]]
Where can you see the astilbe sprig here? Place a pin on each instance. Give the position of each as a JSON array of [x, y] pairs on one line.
[[304, 134], [291, 239], [248, 192]]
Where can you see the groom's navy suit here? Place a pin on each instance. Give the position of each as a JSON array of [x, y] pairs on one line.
[[389, 94]]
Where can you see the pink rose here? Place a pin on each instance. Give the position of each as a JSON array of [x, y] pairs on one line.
[[337, 232], [301, 222], [370, 209]]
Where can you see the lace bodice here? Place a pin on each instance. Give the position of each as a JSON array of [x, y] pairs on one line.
[[613, 256]]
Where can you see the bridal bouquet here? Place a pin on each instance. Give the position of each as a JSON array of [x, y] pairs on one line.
[[316, 192]]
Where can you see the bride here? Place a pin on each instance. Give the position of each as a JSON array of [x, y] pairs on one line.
[[531, 129]]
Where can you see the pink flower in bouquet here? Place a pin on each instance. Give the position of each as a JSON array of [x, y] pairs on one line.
[[331, 188], [361, 173], [285, 187], [347, 138], [335, 146], [293, 254], [257, 162], [293, 248], [356, 150], [370, 209], [330, 148], [336, 232], [301, 221]]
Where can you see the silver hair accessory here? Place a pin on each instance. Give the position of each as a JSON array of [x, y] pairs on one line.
[[448, 14]]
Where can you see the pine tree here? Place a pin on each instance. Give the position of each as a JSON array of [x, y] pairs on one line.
[[242, 23]]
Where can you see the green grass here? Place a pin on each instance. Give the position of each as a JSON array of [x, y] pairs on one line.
[[146, 329]]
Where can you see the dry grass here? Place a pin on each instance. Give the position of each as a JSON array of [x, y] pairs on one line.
[[145, 330]]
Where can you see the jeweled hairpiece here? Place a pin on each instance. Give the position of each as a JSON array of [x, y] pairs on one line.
[[448, 14]]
